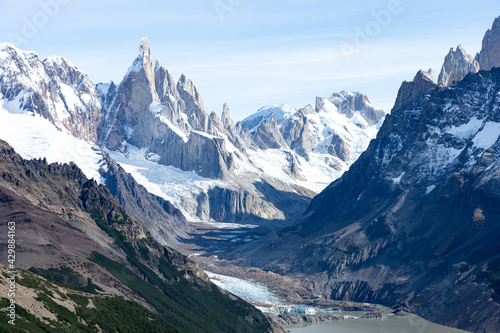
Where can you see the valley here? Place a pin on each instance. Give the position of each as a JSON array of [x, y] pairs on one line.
[[337, 212]]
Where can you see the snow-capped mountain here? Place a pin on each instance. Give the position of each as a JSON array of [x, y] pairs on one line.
[[50, 109], [338, 130], [53, 88], [148, 119], [159, 132], [415, 221]]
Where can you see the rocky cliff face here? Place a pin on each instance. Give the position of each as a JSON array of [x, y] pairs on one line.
[[268, 136], [489, 56], [165, 222], [457, 64], [149, 111], [70, 223], [166, 122], [423, 82], [132, 99], [53, 88], [415, 219]]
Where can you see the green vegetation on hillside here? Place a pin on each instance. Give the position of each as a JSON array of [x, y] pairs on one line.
[[107, 314], [68, 277], [186, 306]]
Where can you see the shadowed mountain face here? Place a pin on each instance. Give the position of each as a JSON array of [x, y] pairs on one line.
[[416, 220], [73, 231]]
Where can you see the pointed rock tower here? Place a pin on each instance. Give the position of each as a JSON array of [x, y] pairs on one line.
[[489, 56], [457, 64]]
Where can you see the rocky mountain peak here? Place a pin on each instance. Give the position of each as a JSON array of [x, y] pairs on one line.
[[144, 50], [187, 88], [147, 65], [457, 64], [268, 135], [423, 82], [165, 84], [150, 111], [53, 88], [429, 75], [349, 103], [227, 121], [489, 56], [195, 108]]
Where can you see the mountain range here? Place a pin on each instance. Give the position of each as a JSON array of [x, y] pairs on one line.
[[415, 220], [148, 118], [409, 218], [80, 255]]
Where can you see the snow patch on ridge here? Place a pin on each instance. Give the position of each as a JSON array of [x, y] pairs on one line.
[[265, 113], [397, 180], [33, 136], [465, 131], [429, 189], [487, 136]]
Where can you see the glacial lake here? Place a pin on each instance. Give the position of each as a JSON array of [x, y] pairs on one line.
[[410, 324]]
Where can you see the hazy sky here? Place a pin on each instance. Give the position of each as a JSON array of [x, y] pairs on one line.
[[251, 53]]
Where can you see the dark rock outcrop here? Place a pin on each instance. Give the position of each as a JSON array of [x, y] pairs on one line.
[[415, 221], [423, 82]]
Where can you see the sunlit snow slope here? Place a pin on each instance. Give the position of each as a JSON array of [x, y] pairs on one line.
[[33, 136]]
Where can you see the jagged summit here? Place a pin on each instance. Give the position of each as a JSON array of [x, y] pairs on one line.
[[457, 64], [226, 119], [489, 56], [423, 82], [156, 119], [144, 50], [186, 87], [53, 88], [429, 74], [332, 134]]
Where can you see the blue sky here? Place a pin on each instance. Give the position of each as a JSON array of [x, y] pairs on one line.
[[255, 53]]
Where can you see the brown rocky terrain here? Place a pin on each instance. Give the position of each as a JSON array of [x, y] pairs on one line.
[[415, 220], [67, 224]]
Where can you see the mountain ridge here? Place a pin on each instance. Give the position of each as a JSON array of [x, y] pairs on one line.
[[166, 120], [419, 207], [68, 222]]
